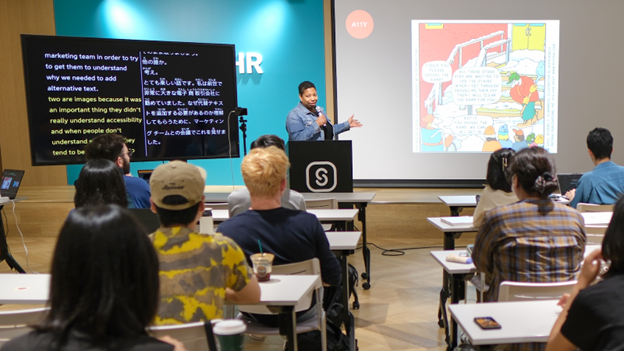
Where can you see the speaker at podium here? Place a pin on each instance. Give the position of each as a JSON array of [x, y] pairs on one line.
[[320, 166]]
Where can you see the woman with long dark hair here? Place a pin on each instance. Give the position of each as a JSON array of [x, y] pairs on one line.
[[592, 317], [104, 286], [534, 239], [498, 191], [100, 182]]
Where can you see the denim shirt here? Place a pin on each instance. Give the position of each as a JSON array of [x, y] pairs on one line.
[[603, 185], [301, 125]]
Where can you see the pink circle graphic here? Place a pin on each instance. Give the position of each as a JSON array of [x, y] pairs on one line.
[[359, 24]]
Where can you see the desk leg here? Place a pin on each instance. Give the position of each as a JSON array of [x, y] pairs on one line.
[[365, 250], [347, 317], [448, 288], [287, 326], [458, 292], [4, 249], [455, 210]]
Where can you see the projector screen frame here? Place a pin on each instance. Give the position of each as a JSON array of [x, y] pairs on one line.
[[230, 146]]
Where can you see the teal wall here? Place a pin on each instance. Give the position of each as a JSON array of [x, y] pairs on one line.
[[288, 35]]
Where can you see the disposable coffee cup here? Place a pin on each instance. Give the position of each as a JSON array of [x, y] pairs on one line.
[[262, 265], [229, 334], [206, 223]]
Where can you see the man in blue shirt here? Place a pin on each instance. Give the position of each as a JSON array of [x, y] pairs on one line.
[[113, 147], [309, 122], [605, 183]]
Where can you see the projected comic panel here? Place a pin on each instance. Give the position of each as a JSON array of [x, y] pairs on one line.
[[479, 86]]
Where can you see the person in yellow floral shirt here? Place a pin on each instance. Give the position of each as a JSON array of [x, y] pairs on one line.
[[197, 272]]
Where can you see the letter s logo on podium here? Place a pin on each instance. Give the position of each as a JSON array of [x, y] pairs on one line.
[[321, 176]]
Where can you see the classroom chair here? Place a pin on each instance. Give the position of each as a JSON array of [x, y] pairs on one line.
[[16, 323], [521, 291], [196, 336], [317, 322], [329, 203]]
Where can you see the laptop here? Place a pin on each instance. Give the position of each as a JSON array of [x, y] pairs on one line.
[[145, 174], [568, 181], [10, 182]]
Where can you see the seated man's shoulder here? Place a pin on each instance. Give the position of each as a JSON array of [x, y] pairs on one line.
[[238, 193], [138, 182]]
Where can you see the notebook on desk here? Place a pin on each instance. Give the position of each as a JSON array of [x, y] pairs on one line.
[[568, 181], [460, 220], [10, 182]]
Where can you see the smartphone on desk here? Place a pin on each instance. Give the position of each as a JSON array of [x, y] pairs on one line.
[[487, 323]]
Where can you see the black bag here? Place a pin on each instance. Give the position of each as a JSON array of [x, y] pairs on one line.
[[332, 298], [311, 341]]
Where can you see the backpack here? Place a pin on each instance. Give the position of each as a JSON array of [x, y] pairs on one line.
[[332, 297], [336, 340]]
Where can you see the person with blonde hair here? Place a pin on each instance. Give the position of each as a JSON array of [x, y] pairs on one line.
[[291, 235], [239, 200]]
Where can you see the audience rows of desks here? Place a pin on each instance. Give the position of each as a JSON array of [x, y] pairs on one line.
[[458, 273], [359, 200], [282, 291], [513, 315]]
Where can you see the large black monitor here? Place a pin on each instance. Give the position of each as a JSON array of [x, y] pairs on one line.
[[170, 100]]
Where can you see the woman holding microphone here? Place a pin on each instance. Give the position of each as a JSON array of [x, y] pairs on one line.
[[309, 122]]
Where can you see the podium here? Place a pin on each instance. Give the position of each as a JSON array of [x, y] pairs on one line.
[[320, 166]]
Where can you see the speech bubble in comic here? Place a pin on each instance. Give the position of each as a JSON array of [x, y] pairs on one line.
[[436, 72], [476, 86], [470, 125]]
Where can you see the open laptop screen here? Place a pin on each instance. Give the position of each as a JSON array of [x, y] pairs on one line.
[[568, 181], [10, 182], [145, 174]]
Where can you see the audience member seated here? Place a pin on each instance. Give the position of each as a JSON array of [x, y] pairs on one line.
[[592, 317], [535, 239], [291, 235], [239, 201], [100, 182], [497, 191], [197, 271], [104, 287], [113, 147], [605, 183]]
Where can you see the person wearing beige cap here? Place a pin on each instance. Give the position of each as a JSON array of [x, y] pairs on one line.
[[198, 272]]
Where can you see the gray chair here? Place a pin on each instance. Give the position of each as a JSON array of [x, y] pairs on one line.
[[16, 323]]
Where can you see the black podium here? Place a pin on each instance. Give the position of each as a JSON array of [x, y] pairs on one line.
[[320, 166]]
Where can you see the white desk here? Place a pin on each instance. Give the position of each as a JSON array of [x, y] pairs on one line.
[[454, 276], [597, 219], [324, 215], [343, 240], [457, 202], [358, 199], [24, 288], [451, 232], [282, 293], [521, 322]]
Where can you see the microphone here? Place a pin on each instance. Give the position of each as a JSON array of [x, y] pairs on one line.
[[318, 111]]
